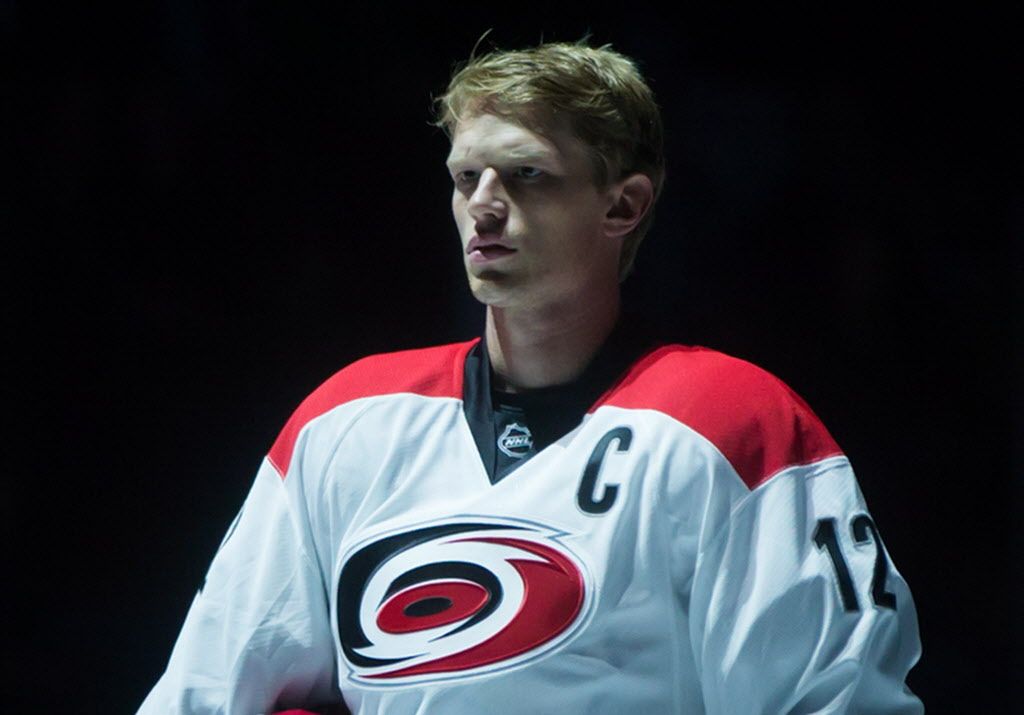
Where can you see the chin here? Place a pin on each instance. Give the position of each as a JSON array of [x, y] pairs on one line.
[[489, 296], [495, 289]]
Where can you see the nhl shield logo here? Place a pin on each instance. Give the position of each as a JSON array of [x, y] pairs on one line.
[[516, 441]]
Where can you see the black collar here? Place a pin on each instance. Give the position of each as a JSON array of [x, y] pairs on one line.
[[553, 411]]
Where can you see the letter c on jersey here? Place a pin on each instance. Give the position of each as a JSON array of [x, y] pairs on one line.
[[585, 495]]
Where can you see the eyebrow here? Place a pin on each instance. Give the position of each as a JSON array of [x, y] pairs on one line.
[[515, 155], [529, 155]]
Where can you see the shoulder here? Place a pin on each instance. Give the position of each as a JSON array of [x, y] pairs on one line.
[[431, 372], [753, 418]]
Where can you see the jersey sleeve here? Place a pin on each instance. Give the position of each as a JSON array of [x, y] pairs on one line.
[[257, 636], [796, 606]]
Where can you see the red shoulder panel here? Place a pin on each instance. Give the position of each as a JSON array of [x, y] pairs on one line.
[[432, 372], [752, 417]]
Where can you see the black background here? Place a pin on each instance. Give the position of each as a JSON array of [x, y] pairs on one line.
[[215, 207]]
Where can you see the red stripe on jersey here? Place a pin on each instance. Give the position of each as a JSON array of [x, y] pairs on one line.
[[431, 372], [754, 419]]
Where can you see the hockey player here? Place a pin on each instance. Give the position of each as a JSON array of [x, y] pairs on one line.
[[559, 517]]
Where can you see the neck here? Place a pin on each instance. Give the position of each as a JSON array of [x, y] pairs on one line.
[[540, 347]]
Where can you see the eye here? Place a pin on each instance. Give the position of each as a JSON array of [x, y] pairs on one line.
[[529, 172], [465, 178]]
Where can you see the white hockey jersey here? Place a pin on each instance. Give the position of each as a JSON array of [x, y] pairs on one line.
[[697, 544]]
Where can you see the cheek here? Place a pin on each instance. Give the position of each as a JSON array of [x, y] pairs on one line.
[[579, 223], [459, 211]]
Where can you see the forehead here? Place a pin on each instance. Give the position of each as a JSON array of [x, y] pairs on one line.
[[487, 136]]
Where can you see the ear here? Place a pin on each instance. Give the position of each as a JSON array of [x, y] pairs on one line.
[[631, 200]]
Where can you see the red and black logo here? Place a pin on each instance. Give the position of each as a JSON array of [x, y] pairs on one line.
[[457, 598]]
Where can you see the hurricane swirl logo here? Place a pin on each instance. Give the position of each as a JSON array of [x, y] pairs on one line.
[[457, 598]]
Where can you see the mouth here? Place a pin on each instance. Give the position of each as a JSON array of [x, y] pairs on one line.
[[485, 250]]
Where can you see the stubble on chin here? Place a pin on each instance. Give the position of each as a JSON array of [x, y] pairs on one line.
[[493, 288]]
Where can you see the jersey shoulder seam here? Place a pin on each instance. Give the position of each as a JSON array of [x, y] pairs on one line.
[[752, 418], [430, 372]]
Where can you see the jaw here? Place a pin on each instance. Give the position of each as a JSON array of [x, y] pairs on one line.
[[496, 289], [537, 296]]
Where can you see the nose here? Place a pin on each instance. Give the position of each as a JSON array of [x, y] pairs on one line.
[[488, 200]]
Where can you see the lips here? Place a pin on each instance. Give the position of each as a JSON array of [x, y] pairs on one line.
[[492, 252], [483, 249]]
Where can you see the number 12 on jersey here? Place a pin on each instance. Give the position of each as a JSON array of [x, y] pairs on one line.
[[864, 531]]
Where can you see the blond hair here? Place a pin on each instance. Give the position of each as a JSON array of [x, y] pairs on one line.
[[601, 93]]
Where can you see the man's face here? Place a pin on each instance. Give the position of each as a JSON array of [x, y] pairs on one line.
[[529, 214]]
